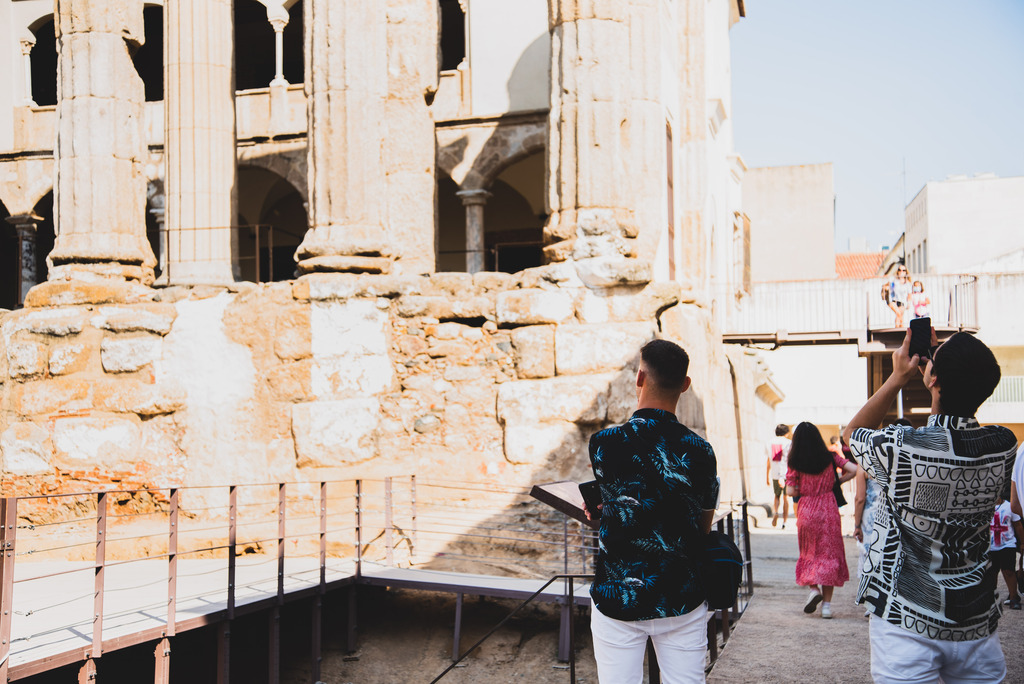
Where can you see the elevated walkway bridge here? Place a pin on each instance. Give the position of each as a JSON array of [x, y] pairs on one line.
[[84, 576]]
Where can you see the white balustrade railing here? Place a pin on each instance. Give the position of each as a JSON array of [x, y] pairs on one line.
[[1010, 390], [813, 306]]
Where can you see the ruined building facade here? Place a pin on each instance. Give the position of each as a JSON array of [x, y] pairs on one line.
[[314, 239]]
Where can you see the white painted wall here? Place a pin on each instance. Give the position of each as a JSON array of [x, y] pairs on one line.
[[989, 209], [792, 231], [825, 385], [509, 55]]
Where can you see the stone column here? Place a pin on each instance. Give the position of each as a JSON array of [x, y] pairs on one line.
[[25, 225], [600, 156], [692, 140], [346, 84], [28, 41], [99, 171], [278, 18], [475, 201], [159, 213], [199, 120]]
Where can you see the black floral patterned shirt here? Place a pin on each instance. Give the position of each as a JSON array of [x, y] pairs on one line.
[[657, 476], [926, 568]]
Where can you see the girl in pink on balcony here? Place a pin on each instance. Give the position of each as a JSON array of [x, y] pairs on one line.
[[919, 301]]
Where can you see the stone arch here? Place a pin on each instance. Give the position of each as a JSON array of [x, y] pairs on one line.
[[450, 241], [514, 215], [290, 165], [272, 223], [43, 61], [475, 155]]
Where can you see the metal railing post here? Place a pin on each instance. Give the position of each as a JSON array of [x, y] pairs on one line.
[[412, 499], [8, 528], [99, 571], [389, 547], [172, 566], [320, 590], [359, 529], [232, 543]]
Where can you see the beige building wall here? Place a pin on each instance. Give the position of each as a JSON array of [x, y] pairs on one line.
[[791, 210], [508, 74], [989, 208]]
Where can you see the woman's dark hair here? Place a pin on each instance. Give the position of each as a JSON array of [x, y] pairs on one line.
[[968, 373], [808, 454]]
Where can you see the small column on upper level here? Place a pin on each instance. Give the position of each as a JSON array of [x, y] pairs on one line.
[[27, 41], [100, 183], [28, 277], [278, 18], [475, 201], [199, 120]]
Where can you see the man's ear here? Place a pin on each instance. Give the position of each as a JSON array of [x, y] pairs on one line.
[[641, 377], [686, 384]]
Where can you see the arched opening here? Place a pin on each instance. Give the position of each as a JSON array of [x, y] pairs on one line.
[[453, 35], [9, 267], [45, 235], [294, 66], [451, 227], [43, 60], [514, 217], [254, 46], [149, 59], [272, 222]]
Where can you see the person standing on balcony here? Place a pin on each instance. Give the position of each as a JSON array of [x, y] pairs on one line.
[[778, 456], [929, 585], [659, 488], [919, 301], [899, 293]]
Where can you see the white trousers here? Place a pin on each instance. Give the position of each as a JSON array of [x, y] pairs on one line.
[[680, 642], [899, 655]]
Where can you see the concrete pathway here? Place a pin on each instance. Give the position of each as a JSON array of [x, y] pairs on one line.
[[777, 642]]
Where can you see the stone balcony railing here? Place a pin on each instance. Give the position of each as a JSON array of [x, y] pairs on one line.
[[260, 113], [830, 310]]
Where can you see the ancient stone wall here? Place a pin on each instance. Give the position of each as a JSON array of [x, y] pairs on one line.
[[490, 377]]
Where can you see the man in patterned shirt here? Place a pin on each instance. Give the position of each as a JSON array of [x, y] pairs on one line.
[[926, 578], [659, 488]]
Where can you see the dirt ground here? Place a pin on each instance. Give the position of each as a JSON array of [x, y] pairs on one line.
[[406, 637]]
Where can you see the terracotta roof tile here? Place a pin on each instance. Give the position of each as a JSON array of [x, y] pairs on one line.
[[858, 265]]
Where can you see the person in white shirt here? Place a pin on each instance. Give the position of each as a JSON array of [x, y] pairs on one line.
[[1002, 548], [778, 459]]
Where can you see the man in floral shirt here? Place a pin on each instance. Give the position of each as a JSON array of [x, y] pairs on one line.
[[659, 488]]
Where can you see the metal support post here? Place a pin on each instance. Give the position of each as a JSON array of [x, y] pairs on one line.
[[172, 567], [224, 652], [100, 570], [389, 522], [8, 527], [162, 658], [458, 626]]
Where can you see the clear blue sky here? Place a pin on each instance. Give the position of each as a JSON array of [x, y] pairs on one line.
[[865, 84]]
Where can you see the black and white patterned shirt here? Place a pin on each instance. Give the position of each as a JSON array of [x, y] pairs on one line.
[[927, 569]]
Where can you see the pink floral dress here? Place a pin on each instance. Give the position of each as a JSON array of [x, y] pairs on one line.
[[818, 528]]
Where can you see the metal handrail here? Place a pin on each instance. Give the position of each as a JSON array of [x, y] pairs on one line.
[[572, 631]]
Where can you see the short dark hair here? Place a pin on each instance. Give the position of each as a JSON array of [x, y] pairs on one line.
[[666, 363], [781, 429], [967, 372], [808, 454]]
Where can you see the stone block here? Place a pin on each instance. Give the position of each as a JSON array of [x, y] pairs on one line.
[[534, 347], [128, 395], [292, 381], [391, 285], [554, 275], [54, 293], [427, 423], [611, 271], [293, 334], [26, 358], [128, 354], [152, 318], [456, 284], [491, 281], [626, 303], [462, 373], [412, 345], [324, 286], [59, 322], [470, 307], [577, 400], [425, 383], [583, 349], [534, 306], [97, 441], [432, 306], [448, 331], [43, 397], [440, 349], [26, 450], [68, 357], [350, 348], [540, 444], [335, 433]]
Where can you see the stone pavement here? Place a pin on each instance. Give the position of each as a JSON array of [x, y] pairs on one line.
[[776, 642]]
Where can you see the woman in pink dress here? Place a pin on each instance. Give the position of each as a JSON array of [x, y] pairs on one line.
[[811, 476]]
